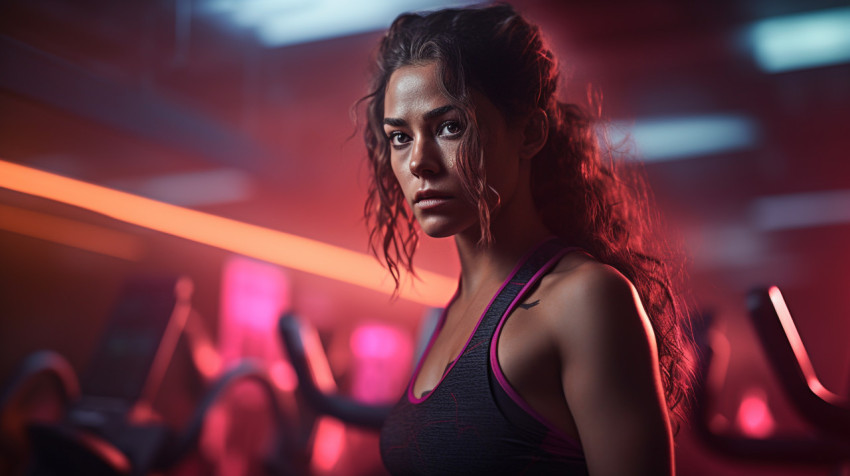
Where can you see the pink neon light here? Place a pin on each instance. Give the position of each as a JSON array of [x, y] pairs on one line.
[[376, 341], [253, 294], [328, 444], [382, 357], [792, 334], [754, 418], [800, 353]]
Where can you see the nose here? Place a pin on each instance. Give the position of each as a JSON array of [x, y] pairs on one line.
[[425, 157]]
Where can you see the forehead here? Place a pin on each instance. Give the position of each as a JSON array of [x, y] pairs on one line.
[[413, 89]]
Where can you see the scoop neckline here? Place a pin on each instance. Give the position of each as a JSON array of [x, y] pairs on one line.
[[427, 393]]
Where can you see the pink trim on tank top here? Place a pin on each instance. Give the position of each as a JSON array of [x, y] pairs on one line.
[[416, 400], [497, 368]]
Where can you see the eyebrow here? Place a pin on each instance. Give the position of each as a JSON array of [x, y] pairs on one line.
[[392, 121]]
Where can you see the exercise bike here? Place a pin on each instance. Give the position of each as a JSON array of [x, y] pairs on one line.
[[106, 427], [827, 412]]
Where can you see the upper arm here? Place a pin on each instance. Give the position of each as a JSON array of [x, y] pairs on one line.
[[610, 376]]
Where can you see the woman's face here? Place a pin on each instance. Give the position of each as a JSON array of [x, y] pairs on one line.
[[424, 130]]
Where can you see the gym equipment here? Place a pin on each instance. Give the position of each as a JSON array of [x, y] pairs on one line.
[[345, 409], [99, 436], [44, 363], [17, 409], [137, 449], [827, 412], [775, 327], [101, 433]]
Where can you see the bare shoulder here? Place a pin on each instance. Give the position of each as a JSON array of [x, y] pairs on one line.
[[592, 308], [609, 368], [582, 277], [582, 290]]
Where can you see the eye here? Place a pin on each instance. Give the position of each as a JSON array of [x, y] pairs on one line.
[[450, 129], [398, 139]]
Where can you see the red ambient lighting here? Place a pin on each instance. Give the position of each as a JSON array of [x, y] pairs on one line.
[[284, 249]]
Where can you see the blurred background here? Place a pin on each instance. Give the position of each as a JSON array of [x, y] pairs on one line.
[[238, 113]]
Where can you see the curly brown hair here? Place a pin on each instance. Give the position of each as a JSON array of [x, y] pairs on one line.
[[581, 192]]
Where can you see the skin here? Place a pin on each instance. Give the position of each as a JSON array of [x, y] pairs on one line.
[[580, 351]]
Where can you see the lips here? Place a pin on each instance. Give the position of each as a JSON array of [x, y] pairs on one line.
[[429, 194], [430, 198]]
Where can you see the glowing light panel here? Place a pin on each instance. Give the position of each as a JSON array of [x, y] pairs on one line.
[[253, 294], [268, 245], [287, 22], [192, 189], [802, 41], [754, 418], [382, 359], [673, 138], [802, 210]]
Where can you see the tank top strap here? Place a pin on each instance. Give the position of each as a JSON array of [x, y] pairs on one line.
[[460, 428], [531, 268]]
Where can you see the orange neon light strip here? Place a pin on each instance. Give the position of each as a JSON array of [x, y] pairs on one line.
[[72, 233], [265, 244]]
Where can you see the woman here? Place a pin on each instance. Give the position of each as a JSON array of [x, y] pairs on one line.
[[560, 351]]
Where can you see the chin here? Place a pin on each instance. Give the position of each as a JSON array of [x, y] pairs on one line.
[[438, 233], [443, 228]]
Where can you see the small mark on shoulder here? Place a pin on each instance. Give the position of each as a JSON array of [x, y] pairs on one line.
[[529, 305]]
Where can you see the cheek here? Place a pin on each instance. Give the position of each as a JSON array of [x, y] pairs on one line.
[[398, 172], [450, 152], [402, 176]]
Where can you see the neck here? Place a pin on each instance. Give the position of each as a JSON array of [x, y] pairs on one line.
[[515, 230]]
